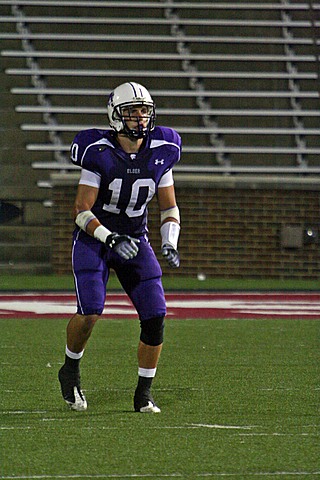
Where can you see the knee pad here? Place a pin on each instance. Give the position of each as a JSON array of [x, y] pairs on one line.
[[152, 331]]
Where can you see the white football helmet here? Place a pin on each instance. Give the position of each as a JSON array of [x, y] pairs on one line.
[[123, 97]]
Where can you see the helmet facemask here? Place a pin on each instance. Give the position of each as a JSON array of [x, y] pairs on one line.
[[126, 113]]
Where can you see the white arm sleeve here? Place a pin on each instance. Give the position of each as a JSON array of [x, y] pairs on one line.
[[166, 179], [89, 178]]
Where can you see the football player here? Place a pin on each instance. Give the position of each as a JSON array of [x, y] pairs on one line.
[[122, 169]]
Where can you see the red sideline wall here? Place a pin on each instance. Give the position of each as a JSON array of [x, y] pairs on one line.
[[226, 232]]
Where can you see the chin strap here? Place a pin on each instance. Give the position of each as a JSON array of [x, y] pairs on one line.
[[134, 134]]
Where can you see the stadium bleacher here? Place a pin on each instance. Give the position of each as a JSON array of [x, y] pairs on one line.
[[238, 80]]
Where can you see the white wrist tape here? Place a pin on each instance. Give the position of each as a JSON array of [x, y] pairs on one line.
[[170, 232], [83, 218], [172, 212], [101, 233]]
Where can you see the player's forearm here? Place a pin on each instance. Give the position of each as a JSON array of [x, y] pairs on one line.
[[171, 214], [89, 223], [170, 226], [92, 226]]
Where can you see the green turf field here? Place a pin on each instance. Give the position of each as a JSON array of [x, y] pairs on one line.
[[17, 281], [239, 399]]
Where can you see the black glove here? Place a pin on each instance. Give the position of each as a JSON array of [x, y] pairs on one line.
[[171, 255], [123, 245]]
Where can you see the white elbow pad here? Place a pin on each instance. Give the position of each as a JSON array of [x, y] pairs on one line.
[[170, 232], [172, 212], [83, 218]]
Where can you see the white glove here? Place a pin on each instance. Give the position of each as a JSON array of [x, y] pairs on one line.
[[171, 255], [123, 245]]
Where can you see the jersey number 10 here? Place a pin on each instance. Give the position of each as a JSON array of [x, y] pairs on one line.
[[132, 209]]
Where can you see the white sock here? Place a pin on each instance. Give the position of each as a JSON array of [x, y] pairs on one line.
[[74, 356], [147, 372]]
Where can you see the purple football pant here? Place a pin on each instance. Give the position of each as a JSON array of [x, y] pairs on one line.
[[140, 277]]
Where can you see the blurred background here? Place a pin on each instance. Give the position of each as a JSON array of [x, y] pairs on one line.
[[238, 80]]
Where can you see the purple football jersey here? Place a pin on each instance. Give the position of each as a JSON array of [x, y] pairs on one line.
[[128, 182]]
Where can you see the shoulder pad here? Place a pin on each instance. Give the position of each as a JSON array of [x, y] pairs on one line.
[[167, 142], [82, 140], [167, 134]]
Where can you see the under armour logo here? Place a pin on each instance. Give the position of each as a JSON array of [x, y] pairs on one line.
[[157, 162]]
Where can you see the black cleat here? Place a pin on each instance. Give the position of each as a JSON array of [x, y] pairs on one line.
[[144, 403], [71, 390]]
